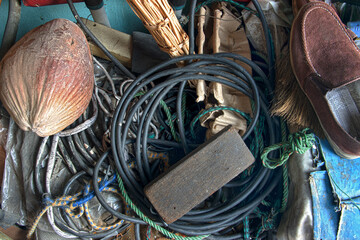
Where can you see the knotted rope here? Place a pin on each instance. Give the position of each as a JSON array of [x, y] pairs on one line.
[[298, 142]]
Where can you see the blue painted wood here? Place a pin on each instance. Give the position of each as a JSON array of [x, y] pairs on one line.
[[336, 197], [326, 218], [349, 226], [120, 15], [345, 173]]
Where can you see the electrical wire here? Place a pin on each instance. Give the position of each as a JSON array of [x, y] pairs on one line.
[[97, 42], [11, 27], [177, 78], [219, 218], [137, 232], [51, 164], [138, 125]]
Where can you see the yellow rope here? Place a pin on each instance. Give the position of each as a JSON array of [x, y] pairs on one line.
[[92, 222], [68, 202], [62, 201]]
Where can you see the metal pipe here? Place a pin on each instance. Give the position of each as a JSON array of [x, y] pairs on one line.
[[98, 12], [11, 28], [99, 16]]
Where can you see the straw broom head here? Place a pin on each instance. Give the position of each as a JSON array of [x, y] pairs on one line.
[[159, 18]]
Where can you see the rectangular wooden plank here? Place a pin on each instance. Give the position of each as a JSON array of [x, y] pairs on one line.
[[199, 174], [118, 43]]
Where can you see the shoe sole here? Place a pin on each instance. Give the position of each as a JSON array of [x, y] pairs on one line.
[[336, 148]]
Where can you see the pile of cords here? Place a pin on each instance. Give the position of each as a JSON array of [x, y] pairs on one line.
[[238, 210], [221, 216], [78, 149], [242, 196]]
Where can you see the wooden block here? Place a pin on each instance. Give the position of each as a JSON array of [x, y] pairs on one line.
[[118, 43], [199, 174], [12, 233]]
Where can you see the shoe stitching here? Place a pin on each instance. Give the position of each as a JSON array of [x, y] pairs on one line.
[[307, 58], [309, 62]]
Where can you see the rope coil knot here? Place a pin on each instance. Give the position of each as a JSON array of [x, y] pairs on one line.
[[298, 142], [78, 202], [47, 200]]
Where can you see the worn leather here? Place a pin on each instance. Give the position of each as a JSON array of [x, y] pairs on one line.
[[298, 4], [324, 57]]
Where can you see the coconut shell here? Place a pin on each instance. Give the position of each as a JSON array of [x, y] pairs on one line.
[[47, 77]]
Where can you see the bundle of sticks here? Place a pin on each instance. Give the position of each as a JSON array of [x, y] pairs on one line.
[[159, 18]]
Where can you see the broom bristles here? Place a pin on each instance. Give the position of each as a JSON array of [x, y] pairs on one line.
[[160, 19], [290, 102]]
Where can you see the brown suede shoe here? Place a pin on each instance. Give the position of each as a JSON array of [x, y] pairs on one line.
[[326, 63], [298, 4]]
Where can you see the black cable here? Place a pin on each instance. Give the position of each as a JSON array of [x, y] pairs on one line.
[[243, 197], [101, 198], [269, 47], [38, 175], [90, 132], [11, 27], [63, 216], [69, 226], [91, 235], [137, 232], [71, 181], [219, 218], [169, 143], [72, 165], [180, 118], [97, 42], [191, 30], [81, 149], [79, 159], [86, 143]]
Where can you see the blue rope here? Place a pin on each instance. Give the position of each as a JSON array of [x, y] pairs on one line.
[[91, 195], [47, 200]]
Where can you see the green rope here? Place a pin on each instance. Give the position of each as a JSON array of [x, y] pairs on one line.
[[228, 1], [212, 109], [285, 188], [168, 114], [138, 94], [298, 142], [265, 203], [183, 107], [148, 220], [284, 172], [246, 228], [148, 233], [257, 143], [170, 122], [267, 224]]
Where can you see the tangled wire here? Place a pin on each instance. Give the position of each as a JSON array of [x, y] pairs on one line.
[[136, 128]]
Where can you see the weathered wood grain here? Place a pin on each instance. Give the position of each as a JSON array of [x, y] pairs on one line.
[[198, 175]]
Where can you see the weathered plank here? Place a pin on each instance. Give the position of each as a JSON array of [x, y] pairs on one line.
[[199, 174], [118, 43]]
